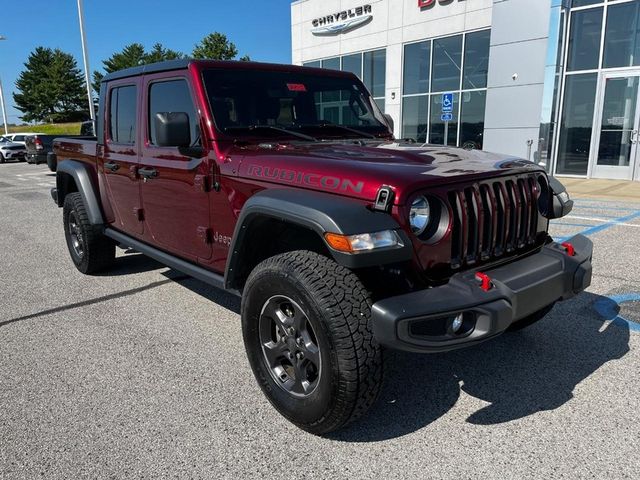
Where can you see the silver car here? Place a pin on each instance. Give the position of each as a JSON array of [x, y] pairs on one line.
[[11, 150]]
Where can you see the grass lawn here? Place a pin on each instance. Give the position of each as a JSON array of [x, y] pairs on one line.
[[50, 128]]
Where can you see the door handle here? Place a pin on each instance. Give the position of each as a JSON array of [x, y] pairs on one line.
[[147, 172], [111, 166]]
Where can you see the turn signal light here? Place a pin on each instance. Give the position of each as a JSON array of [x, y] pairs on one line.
[[363, 242]]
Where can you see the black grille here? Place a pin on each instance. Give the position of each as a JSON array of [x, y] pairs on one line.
[[493, 219]]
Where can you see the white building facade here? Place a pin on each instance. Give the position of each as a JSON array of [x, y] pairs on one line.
[[554, 81]]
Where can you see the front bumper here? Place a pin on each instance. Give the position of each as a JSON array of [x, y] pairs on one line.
[[418, 321], [14, 154]]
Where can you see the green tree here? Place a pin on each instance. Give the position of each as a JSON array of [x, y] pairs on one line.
[[51, 88], [133, 55], [216, 46]]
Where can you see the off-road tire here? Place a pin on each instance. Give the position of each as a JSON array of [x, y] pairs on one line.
[[530, 319], [339, 308], [98, 251]]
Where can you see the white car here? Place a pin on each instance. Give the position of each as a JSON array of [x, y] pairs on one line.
[[20, 136], [11, 150]]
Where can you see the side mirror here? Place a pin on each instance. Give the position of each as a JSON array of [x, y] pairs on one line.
[[561, 203], [389, 120], [172, 129]]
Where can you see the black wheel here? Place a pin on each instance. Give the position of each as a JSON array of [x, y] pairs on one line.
[[306, 323], [531, 319], [90, 250], [2, 160]]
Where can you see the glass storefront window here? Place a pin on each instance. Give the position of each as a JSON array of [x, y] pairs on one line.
[[437, 130], [472, 119], [576, 124], [447, 56], [414, 118], [476, 59], [584, 3], [584, 39], [315, 64], [353, 64], [374, 71], [622, 36], [416, 68], [331, 63]]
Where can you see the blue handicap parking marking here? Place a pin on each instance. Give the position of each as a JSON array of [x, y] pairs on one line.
[[609, 308]]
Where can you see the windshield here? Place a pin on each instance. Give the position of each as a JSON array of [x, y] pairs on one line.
[[4, 140], [320, 106]]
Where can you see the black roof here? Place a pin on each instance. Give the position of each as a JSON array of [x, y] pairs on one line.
[[184, 63], [150, 68]]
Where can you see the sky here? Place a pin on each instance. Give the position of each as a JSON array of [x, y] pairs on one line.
[[260, 29]]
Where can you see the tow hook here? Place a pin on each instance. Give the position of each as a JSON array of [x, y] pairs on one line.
[[571, 251], [485, 281]]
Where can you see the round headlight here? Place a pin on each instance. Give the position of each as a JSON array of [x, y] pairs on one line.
[[419, 214]]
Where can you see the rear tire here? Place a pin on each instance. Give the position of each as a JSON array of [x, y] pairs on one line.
[[530, 319], [306, 323], [90, 250]]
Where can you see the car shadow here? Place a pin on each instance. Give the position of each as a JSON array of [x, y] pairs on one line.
[[516, 375], [132, 262]]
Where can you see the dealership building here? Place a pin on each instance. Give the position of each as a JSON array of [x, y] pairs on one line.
[[555, 81]]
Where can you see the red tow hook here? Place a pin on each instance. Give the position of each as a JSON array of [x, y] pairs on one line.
[[485, 281], [569, 248]]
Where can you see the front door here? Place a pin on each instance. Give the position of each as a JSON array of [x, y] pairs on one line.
[[174, 194], [617, 124]]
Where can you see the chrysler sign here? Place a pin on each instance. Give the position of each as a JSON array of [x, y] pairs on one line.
[[341, 22]]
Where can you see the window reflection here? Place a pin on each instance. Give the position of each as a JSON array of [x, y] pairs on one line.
[[584, 39], [576, 124], [447, 55], [622, 36]]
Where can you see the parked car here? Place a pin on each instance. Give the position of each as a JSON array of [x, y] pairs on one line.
[[339, 239], [39, 146], [11, 150], [21, 136]]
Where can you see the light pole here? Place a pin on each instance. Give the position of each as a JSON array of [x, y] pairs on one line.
[[85, 57], [4, 110]]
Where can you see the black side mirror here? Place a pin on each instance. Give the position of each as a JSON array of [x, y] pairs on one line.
[[389, 120], [172, 129], [561, 203]]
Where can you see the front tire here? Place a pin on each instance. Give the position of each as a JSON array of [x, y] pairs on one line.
[[2, 160], [306, 324], [90, 250]]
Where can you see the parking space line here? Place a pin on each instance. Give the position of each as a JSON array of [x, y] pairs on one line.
[[606, 224]]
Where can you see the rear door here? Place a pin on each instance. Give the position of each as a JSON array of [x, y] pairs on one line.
[[174, 196], [118, 161]]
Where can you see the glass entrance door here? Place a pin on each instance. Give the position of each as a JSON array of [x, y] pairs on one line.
[[616, 147]]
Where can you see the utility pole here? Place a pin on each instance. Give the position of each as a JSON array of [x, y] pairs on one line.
[[4, 110], [85, 57]]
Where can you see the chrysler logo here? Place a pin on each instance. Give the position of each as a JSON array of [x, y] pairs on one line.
[[342, 22]]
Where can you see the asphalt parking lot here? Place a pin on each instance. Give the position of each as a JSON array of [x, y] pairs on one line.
[[142, 373]]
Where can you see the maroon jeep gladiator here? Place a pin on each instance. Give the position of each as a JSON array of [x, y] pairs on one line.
[[285, 186]]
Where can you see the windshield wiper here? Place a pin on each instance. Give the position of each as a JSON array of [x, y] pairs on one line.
[[274, 128], [340, 127]]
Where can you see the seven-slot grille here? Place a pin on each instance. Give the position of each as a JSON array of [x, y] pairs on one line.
[[493, 218]]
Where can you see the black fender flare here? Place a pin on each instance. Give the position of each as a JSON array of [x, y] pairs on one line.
[[321, 213], [81, 174]]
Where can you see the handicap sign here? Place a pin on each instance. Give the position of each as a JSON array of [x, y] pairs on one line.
[[446, 117], [447, 102]]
